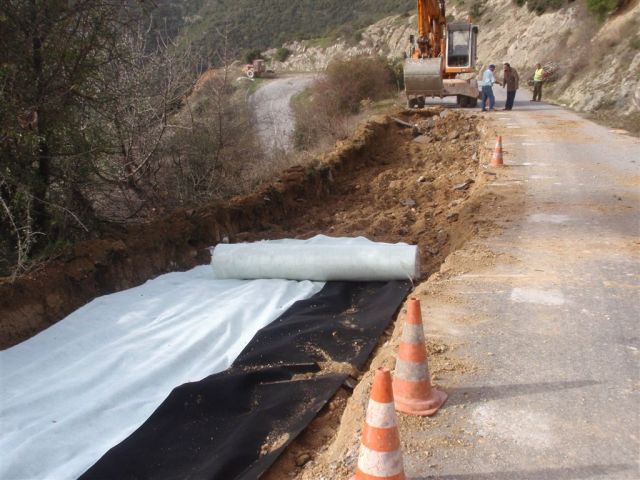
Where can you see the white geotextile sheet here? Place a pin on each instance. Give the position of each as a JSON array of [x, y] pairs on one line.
[[85, 384], [320, 260], [82, 386]]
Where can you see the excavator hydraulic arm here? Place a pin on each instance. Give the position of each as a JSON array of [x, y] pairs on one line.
[[431, 28]]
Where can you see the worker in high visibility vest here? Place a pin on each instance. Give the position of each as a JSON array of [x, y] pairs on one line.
[[538, 78]]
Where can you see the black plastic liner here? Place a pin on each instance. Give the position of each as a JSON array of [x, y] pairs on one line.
[[234, 425]]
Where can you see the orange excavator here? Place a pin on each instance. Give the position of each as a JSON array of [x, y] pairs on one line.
[[437, 57]]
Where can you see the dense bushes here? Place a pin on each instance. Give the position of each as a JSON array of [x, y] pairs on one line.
[[263, 24], [282, 54], [99, 126], [85, 100], [348, 82], [602, 8], [541, 6], [251, 55], [212, 150], [325, 108]]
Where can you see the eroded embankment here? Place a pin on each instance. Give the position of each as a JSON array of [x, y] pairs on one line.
[[386, 183], [426, 190], [133, 255], [381, 183]]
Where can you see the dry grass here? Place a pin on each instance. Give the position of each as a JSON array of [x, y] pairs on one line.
[[326, 109]]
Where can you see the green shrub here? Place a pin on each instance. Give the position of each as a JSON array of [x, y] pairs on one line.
[[251, 55], [541, 6], [599, 8], [397, 69], [602, 8], [282, 54], [476, 10]]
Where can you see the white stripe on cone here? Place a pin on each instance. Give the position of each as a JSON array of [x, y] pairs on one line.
[[415, 372], [412, 333], [381, 415], [380, 464]]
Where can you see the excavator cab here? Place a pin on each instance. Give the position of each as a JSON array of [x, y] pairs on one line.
[[461, 47]]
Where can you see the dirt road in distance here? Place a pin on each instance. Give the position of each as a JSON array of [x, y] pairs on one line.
[[274, 116]]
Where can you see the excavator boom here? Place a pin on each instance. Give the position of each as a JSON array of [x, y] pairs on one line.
[[431, 27]]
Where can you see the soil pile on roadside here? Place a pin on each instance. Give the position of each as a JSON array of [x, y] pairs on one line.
[[424, 188], [411, 187]]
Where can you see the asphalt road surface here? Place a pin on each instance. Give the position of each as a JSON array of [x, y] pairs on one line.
[[550, 325], [274, 116]]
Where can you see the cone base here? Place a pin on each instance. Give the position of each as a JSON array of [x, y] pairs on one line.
[[496, 164], [424, 408], [362, 476]]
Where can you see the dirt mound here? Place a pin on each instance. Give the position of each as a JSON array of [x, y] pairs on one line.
[[409, 186]]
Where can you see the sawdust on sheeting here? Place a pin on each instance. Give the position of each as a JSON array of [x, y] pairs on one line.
[[273, 442]]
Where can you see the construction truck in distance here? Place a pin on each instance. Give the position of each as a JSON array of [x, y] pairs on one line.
[[439, 54], [258, 69]]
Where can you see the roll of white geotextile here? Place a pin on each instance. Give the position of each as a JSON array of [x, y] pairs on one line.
[[359, 260]]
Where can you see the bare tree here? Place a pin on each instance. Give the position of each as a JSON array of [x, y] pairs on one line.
[[84, 103], [99, 124], [141, 94], [213, 148]]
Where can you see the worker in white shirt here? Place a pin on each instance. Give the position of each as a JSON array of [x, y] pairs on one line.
[[488, 79]]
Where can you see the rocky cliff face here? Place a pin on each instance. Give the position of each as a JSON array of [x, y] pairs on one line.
[[389, 37], [597, 64]]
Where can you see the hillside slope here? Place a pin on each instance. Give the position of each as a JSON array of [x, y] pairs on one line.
[[598, 64], [260, 24]]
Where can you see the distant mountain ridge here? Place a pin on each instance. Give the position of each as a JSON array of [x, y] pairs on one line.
[[261, 24]]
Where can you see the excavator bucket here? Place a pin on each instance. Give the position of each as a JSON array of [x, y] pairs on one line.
[[423, 77]]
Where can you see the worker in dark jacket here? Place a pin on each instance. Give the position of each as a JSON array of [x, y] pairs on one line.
[[511, 83]]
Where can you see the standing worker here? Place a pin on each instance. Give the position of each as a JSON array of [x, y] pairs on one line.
[[538, 78], [511, 83], [488, 79]]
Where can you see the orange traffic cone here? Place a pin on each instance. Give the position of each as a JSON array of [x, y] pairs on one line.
[[412, 382], [496, 161], [380, 455]]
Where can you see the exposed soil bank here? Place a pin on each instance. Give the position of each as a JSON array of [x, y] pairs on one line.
[[128, 257], [381, 183], [384, 183]]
